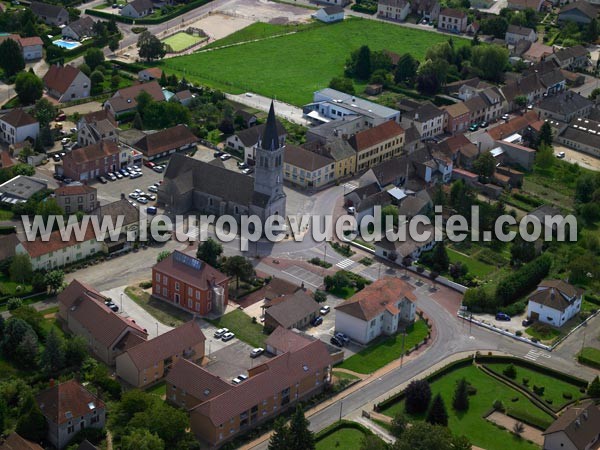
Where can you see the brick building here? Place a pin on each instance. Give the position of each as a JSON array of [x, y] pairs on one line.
[[89, 162]]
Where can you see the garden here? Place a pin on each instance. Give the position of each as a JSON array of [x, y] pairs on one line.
[[245, 328], [180, 41], [344, 435]]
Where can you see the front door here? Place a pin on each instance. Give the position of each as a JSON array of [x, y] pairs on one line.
[[177, 299]]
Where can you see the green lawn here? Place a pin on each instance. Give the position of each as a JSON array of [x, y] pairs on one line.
[[385, 350], [344, 376], [343, 438], [292, 67], [542, 332], [472, 424], [343, 292], [159, 389], [6, 214], [182, 40], [12, 288], [590, 356], [241, 324], [554, 388], [477, 268], [160, 310]]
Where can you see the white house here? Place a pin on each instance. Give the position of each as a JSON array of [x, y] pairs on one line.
[[382, 308], [516, 33], [393, 9], [33, 47], [577, 428], [554, 302], [79, 29], [137, 9], [330, 14], [66, 83], [18, 126], [398, 249]]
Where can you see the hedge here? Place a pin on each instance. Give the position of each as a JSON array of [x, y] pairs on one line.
[[149, 21], [128, 67], [588, 361], [340, 425], [592, 299], [526, 418], [527, 199], [7, 229], [522, 281]]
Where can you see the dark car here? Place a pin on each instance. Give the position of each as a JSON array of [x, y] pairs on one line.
[[217, 154], [503, 317], [102, 180], [56, 157], [474, 127], [335, 341], [317, 321], [527, 322], [484, 124]]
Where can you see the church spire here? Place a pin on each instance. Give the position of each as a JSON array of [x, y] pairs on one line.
[[270, 137]]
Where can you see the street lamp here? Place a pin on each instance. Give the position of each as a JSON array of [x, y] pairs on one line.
[[121, 302], [156, 329]]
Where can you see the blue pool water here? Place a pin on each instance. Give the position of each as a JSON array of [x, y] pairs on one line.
[[69, 45]]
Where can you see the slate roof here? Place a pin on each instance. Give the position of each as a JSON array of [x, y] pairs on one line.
[[173, 342], [376, 135], [423, 113], [565, 103], [18, 118], [375, 298], [579, 422], [141, 5], [292, 309], [66, 401], [521, 31], [60, 78], [284, 340], [394, 4], [269, 139], [305, 159], [388, 171], [577, 51], [83, 26], [586, 8], [333, 9], [201, 279], [522, 86], [555, 294], [45, 9], [455, 13], [196, 381], [118, 208], [584, 137], [74, 189], [165, 140], [250, 136]]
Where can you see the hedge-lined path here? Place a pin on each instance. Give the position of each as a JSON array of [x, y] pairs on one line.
[[529, 432]]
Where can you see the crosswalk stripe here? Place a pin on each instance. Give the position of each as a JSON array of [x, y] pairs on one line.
[[345, 263]]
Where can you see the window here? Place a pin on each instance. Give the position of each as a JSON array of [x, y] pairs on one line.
[[177, 286], [197, 295], [158, 277], [70, 429], [198, 307]]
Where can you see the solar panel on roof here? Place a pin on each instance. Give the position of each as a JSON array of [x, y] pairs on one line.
[[188, 260]]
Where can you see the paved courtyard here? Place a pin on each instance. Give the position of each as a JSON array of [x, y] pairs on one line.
[[232, 360]]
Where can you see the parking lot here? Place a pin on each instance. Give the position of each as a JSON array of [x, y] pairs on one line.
[[232, 360], [207, 155], [112, 190]]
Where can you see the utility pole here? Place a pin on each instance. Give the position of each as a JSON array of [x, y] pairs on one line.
[[403, 341], [341, 405], [121, 302]]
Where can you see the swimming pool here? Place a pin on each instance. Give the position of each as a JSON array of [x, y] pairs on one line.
[[69, 45]]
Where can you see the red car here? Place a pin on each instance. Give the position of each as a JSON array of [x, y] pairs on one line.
[[61, 117], [149, 164]]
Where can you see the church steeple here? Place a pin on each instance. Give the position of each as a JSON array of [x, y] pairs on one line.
[[270, 137]]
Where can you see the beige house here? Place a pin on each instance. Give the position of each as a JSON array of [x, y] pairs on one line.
[[95, 127], [393, 9], [452, 20], [377, 144], [307, 169], [72, 198], [150, 361], [66, 83]]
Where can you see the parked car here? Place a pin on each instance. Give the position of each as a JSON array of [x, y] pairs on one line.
[[151, 210], [142, 200], [225, 156], [484, 124], [102, 180], [119, 175], [134, 195], [158, 169], [317, 321], [220, 332], [67, 180], [65, 141], [505, 117], [152, 188], [248, 171], [351, 210], [236, 380], [342, 337], [474, 127], [61, 117], [56, 157], [149, 164], [242, 165], [73, 130], [228, 336], [503, 317], [124, 172], [527, 322], [335, 341], [113, 307], [560, 155], [325, 310], [135, 175], [151, 197], [242, 377], [256, 352], [217, 154]]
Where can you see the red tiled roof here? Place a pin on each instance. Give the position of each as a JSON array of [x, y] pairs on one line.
[[154, 72], [275, 288], [168, 344], [165, 140], [375, 298], [513, 125], [5, 160], [373, 136], [92, 152], [97, 116], [201, 279], [284, 340], [71, 189], [18, 118], [66, 401], [39, 247], [449, 12], [16, 442], [28, 41], [59, 78], [196, 381], [131, 92]]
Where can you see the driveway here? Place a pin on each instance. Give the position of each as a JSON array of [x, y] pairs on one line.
[[285, 110]]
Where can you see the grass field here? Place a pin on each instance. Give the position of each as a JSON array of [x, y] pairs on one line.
[[385, 350], [344, 438], [180, 41], [159, 389], [6, 215], [590, 356], [161, 311], [477, 268], [553, 388], [472, 424], [542, 332], [292, 67], [241, 324]]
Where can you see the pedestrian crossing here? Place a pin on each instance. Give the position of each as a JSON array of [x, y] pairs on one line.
[[344, 264], [349, 187], [533, 355]]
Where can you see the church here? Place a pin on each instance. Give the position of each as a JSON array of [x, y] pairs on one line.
[[191, 185]]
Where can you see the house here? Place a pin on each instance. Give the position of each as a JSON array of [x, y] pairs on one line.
[[582, 135], [72, 198], [341, 3], [528, 86], [473, 28], [457, 118], [279, 383], [150, 74], [124, 100], [517, 33], [330, 14], [426, 118], [184, 97], [95, 127], [571, 58], [393, 9], [554, 302], [81, 28], [521, 5], [377, 144], [537, 52], [50, 14], [190, 284], [487, 105], [125, 214], [162, 143], [460, 150], [32, 47], [19, 189], [244, 141], [87, 163], [580, 12], [564, 106], [338, 149], [291, 311], [382, 308], [465, 89], [452, 20], [283, 340], [15, 442], [66, 83], [150, 361], [69, 408], [18, 126], [83, 312], [398, 249], [248, 119], [137, 9], [307, 169], [577, 428], [427, 9]]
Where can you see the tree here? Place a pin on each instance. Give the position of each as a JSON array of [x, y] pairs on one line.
[[418, 396], [342, 84], [32, 425], [594, 388], [281, 438], [20, 268], [359, 64], [97, 78], [150, 47], [141, 439], [460, 402], [520, 101], [485, 166], [424, 436], [3, 414], [167, 422], [431, 76], [510, 371], [138, 124], [592, 31], [545, 136], [518, 428], [521, 251], [11, 57], [54, 280], [595, 93], [76, 351], [389, 211], [14, 303], [441, 261], [52, 358], [94, 57], [544, 157], [114, 81], [491, 60], [437, 414], [399, 424], [113, 44], [209, 251], [29, 87], [461, 443], [406, 70], [320, 296], [239, 267], [585, 186], [44, 112], [301, 438], [85, 69]]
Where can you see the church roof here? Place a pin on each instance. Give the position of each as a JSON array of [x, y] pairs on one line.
[[270, 137]]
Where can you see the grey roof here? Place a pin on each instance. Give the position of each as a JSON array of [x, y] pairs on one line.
[[394, 3], [335, 148], [47, 10], [292, 309], [388, 171], [83, 26], [583, 137], [566, 102], [577, 51], [415, 204], [579, 422], [329, 129], [141, 5], [552, 78], [270, 137], [20, 188], [425, 112], [522, 86], [360, 105], [333, 9], [119, 208], [186, 174], [586, 8], [251, 136], [411, 135], [521, 31]]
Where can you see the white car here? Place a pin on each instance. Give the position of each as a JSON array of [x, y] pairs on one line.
[[142, 200], [325, 310], [220, 332], [227, 336], [65, 141], [152, 188], [138, 191], [256, 352], [134, 195], [560, 155]]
